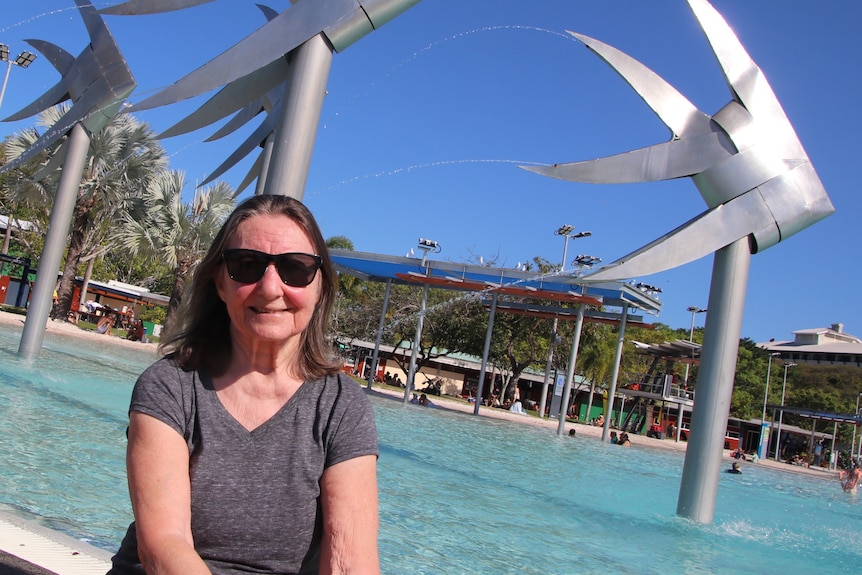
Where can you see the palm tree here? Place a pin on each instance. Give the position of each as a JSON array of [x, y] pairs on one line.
[[121, 158], [176, 233]]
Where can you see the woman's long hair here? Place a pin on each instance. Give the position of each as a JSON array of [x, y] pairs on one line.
[[200, 335]]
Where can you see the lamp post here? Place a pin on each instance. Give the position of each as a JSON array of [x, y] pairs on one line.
[[23, 60], [694, 311], [763, 450], [426, 246], [853, 444], [781, 413], [566, 232]]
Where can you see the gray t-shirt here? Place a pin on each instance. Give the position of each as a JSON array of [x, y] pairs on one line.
[[255, 494]]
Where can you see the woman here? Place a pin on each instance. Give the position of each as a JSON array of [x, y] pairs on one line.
[[248, 450]]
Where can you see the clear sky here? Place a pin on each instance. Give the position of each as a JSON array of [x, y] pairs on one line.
[[427, 119]]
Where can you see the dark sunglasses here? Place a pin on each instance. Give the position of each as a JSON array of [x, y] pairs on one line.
[[248, 266]]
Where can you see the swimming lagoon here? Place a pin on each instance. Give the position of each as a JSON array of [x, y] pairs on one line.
[[458, 494]]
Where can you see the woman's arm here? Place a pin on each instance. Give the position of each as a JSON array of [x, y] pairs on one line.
[[348, 495], [157, 461]]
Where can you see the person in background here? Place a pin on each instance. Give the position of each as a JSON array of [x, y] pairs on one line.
[[104, 324], [424, 401], [249, 451], [135, 331], [850, 477], [735, 468]]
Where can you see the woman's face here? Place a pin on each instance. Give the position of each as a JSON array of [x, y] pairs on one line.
[[268, 311]]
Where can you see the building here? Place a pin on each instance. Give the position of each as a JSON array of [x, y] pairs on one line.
[[820, 346]]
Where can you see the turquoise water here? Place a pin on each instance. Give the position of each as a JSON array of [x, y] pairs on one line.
[[458, 494]]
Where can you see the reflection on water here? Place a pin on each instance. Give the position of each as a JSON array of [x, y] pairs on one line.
[[458, 494]]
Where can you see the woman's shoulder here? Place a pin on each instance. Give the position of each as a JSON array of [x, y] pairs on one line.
[[333, 390], [168, 371]]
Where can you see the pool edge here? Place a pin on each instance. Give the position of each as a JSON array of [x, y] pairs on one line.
[[50, 549]]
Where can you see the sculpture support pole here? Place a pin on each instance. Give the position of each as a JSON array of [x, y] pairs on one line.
[[485, 352], [300, 116], [55, 242], [570, 370], [702, 467], [621, 338], [266, 159], [376, 357]]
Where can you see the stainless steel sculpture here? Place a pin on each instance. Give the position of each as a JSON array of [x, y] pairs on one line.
[[760, 188], [133, 7], [96, 82], [295, 49]]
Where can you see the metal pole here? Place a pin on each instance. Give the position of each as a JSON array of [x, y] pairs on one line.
[[485, 351], [763, 448], [832, 449], [376, 354], [265, 161], [55, 242], [300, 116], [781, 412], [5, 81], [570, 370], [616, 372], [411, 373], [853, 445], [691, 340], [553, 342], [702, 467]]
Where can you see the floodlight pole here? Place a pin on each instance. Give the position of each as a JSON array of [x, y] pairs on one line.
[[781, 412], [411, 372], [566, 232], [694, 310], [23, 60], [855, 425], [763, 448]]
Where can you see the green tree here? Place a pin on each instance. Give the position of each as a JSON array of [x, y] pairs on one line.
[[120, 159], [174, 232]]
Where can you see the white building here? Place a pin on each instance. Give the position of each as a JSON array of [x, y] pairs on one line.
[[820, 346]]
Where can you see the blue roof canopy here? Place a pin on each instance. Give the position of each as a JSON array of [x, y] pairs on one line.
[[449, 275]]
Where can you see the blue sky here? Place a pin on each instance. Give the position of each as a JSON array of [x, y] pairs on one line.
[[427, 119]]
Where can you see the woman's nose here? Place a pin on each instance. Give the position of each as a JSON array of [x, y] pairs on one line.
[[270, 281]]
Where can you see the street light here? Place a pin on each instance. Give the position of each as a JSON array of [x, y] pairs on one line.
[[781, 413], [764, 441], [855, 425], [694, 311], [566, 232], [23, 60]]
